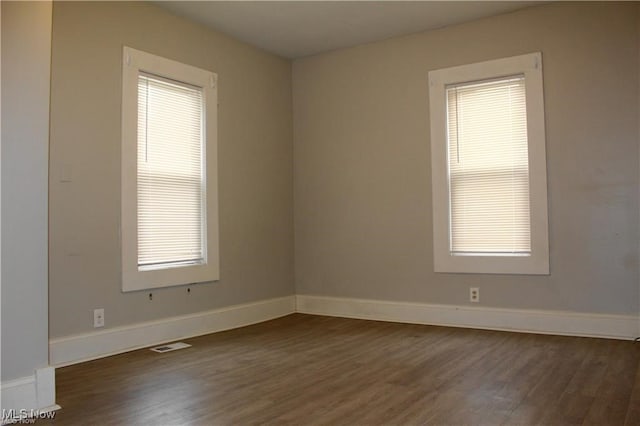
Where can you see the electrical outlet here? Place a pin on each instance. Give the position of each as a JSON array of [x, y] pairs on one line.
[[474, 294], [98, 318]]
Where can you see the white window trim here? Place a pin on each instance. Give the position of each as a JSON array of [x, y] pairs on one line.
[[133, 62], [537, 263]]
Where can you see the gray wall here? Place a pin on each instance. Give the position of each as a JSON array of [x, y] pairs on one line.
[[26, 55], [255, 165], [362, 179]]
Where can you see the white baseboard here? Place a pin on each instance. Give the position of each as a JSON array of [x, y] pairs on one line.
[[26, 395], [520, 320], [84, 347]]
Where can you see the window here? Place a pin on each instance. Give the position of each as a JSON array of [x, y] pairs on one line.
[[489, 167], [169, 185]]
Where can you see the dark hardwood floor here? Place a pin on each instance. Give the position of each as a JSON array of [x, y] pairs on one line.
[[309, 370]]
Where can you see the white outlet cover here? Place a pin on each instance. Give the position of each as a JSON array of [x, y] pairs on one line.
[[98, 318], [474, 294]]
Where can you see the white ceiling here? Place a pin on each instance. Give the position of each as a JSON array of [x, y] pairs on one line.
[[295, 29]]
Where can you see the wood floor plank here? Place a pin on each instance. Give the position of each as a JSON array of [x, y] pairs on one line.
[[633, 413], [312, 370]]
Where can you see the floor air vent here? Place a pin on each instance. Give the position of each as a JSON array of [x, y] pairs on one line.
[[170, 347]]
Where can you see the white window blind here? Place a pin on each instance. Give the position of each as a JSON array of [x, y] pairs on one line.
[[488, 167], [170, 176]]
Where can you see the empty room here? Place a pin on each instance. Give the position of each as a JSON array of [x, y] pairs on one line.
[[320, 212]]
